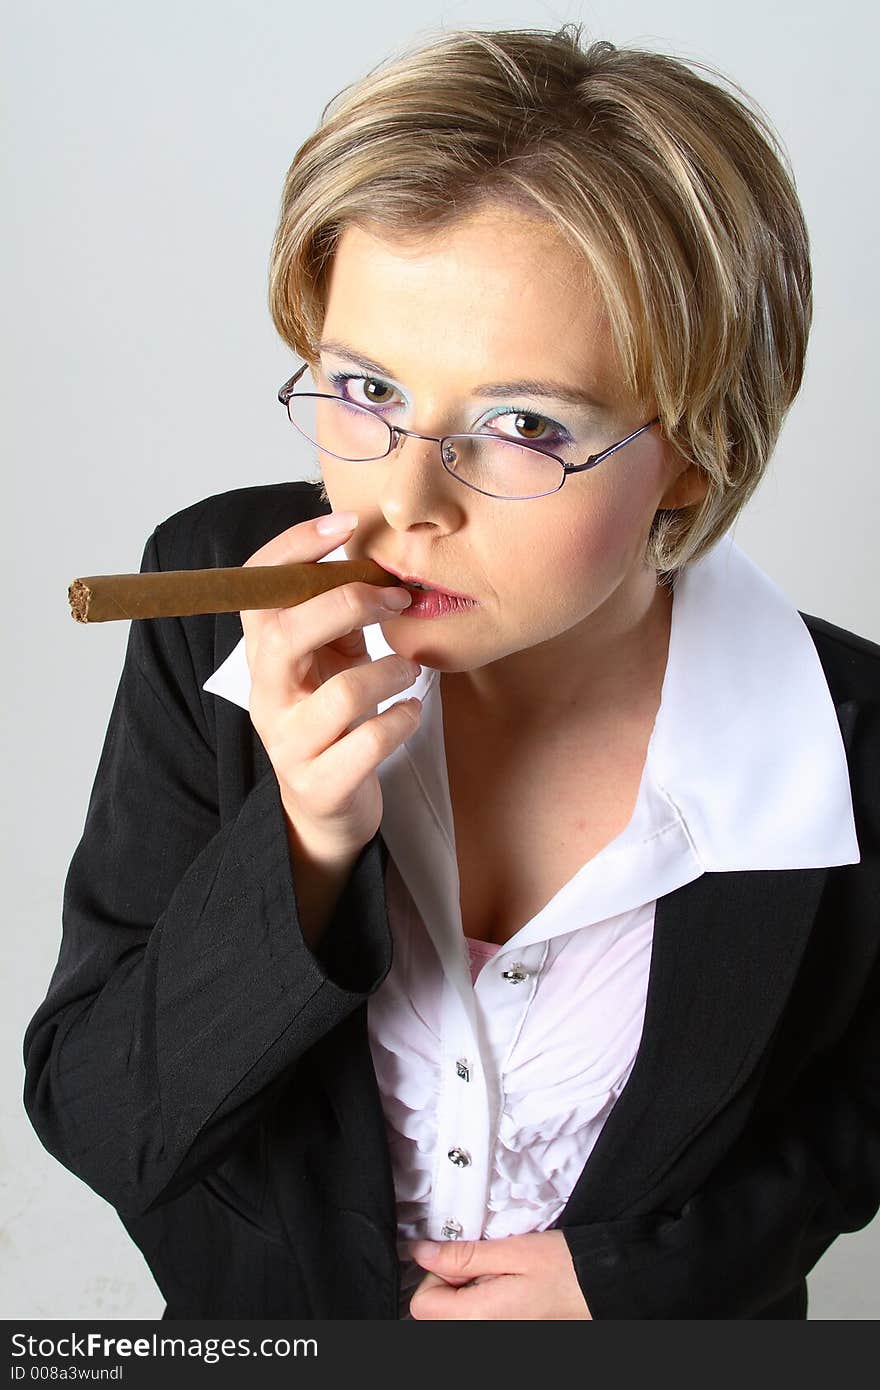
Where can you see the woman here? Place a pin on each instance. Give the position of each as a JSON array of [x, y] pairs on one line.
[[538, 920]]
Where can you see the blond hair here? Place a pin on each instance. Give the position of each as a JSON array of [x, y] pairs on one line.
[[677, 191]]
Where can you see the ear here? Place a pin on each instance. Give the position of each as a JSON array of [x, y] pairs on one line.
[[688, 485]]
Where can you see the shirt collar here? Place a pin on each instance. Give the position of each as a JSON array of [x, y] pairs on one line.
[[746, 749]]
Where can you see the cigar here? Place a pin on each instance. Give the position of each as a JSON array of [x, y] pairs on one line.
[[100, 598]]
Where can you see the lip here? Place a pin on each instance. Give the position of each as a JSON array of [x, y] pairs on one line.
[[418, 579]]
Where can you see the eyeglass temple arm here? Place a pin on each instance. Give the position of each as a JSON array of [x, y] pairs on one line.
[[597, 458], [286, 390]]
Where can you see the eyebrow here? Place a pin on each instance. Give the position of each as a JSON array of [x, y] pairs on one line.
[[527, 386]]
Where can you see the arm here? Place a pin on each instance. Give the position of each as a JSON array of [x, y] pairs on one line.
[[185, 992], [798, 1179], [319, 885]]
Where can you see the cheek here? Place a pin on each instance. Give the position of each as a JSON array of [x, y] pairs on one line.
[[346, 489], [559, 574], [611, 535], [582, 545], [572, 568]]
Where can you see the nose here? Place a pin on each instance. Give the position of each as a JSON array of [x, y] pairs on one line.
[[420, 492], [399, 433]]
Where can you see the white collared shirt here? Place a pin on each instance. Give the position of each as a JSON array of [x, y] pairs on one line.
[[498, 1069]]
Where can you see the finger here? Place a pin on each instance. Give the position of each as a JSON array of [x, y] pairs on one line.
[[493, 1299], [294, 654], [307, 540], [339, 616], [329, 783], [301, 543], [346, 700], [430, 1281], [470, 1258], [452, 1282]]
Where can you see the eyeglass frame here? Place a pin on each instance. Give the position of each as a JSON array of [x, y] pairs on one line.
[[286, 392]]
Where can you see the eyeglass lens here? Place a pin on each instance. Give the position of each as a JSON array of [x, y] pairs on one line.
[[489, 464]]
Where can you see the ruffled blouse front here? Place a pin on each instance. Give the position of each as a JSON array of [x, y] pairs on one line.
[[558, 1047]]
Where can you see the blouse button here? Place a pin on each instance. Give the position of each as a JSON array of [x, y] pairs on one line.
[[462, 1069], [460, 1157], [451, 1230], [516, 974]]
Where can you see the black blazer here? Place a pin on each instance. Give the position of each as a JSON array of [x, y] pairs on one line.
[[209, 1076]]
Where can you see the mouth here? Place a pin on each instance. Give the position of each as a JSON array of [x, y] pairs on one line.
[[419, 585]]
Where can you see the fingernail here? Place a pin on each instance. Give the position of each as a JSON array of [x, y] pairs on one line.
[[396, 599], [336, 523], [424, 1249]]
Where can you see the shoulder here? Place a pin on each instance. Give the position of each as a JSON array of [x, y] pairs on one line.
[[227, 528], [851, 662]]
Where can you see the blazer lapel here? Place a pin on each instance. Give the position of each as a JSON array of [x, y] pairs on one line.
[[727, 947]]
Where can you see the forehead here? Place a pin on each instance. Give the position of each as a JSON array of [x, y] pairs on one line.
[[504, 289], [490, 251]]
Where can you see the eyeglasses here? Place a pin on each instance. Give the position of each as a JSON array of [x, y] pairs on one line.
[[488, 463]]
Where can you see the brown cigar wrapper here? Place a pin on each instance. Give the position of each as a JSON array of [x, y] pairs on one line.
[[100, 598]]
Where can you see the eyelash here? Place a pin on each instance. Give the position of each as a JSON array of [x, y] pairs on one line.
[[562, 436]]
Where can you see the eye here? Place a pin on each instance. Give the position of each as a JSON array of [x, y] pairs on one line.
[[532, 428], [372, 387]]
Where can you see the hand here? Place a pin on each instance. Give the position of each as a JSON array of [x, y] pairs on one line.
[[513, 1278], [313, 689]]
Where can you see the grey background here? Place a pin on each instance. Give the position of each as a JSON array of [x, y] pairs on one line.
[[144, 149]]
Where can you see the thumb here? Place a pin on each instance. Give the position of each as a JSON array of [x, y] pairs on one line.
[[460, 1260]]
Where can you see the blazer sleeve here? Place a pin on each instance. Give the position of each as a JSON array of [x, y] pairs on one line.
[[802, 1176], [184, 994]]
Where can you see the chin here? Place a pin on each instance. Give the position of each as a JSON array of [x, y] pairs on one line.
[[428, 652]]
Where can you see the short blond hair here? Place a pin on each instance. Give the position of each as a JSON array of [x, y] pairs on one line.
[[678, 192]]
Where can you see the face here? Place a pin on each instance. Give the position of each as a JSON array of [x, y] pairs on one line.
[[498, 298]]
